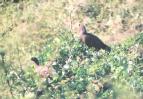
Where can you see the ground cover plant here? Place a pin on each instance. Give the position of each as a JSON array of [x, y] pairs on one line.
[[48, 30]]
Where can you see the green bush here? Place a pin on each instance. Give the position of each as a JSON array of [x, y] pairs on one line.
[[41, 28]]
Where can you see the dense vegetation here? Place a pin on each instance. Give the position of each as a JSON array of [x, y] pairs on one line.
[[47, 29]]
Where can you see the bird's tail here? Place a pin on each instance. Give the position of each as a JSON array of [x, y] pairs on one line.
[[107, 48]]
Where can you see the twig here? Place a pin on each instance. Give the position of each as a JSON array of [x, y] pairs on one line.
[[18, 52]]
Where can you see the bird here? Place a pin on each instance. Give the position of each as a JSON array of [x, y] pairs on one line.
[[42, 71], [91, 40]]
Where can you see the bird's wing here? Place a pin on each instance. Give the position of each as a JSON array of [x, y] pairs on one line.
[[44, 72], [91, 40]]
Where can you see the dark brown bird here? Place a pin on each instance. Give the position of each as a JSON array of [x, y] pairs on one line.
[[91, 40]]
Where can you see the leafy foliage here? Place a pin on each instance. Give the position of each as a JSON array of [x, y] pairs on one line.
[[46, 29], [77, 67]]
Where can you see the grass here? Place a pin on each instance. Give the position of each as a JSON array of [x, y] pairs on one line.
[[49, 30]]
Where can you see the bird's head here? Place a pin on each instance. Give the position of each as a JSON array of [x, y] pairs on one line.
[[35, 60]]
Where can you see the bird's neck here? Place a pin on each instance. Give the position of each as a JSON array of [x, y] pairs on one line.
[[37, 65], [83, 35], [83, 30]]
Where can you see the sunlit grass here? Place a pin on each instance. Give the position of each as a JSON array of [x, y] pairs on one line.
[[41, 27]]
